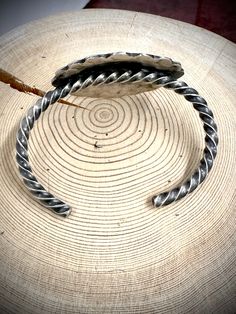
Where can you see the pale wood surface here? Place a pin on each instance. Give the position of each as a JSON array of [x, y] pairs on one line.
[[116, 253]]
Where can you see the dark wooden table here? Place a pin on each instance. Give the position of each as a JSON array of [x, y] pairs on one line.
[[217, 16]]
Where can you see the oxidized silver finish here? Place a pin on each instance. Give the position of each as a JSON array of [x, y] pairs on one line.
[[159, 63], [147, 75], [113, 62]]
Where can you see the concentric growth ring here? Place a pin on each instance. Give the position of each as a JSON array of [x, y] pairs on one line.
[[121, 69]]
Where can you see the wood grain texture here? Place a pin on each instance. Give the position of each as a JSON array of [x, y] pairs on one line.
[[116, 253]]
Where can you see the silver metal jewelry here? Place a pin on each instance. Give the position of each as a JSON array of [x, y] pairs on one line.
[[140, 71]]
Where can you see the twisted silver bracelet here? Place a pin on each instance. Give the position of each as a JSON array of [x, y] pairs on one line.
[[142, 70]]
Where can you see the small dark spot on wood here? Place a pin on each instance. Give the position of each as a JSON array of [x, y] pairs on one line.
[[2, 232], [48, 169], [95, 135], [106, 134], [67, 35], [43, 57], [140, 130], [169, 181], [96, 145], [166, 130], [176, 214], [73, 117], [21, 107], [180, 156]]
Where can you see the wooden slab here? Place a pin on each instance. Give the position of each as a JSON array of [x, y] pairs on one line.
[[116, 253]]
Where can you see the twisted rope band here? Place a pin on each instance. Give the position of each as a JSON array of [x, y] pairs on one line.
[[127, 76]]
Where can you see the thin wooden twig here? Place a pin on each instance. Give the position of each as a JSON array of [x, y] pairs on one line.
[[19, 85]]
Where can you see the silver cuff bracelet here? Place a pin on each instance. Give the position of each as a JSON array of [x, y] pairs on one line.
[[128, 73]]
